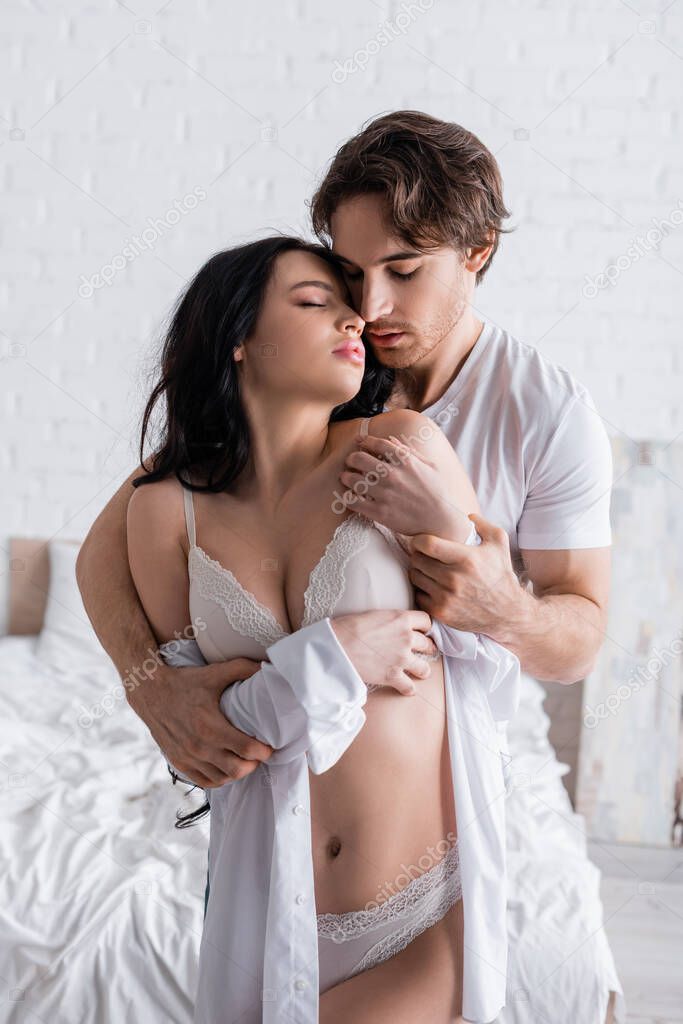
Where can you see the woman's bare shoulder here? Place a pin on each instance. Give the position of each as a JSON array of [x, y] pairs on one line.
[[157, 507], [420, 433], [405, 424]]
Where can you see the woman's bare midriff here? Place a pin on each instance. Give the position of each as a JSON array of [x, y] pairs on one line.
[[384, 813]]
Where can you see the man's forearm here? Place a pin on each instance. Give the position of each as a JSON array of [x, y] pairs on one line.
[[109, 595], [117, 617], [556, 637]]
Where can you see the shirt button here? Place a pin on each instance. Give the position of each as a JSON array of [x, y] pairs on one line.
[[298, 809], [300, 984], [300, 898]]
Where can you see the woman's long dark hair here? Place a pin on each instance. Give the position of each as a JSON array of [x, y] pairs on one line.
[[204, 426]]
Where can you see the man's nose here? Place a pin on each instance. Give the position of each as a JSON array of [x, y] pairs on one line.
[[375, 303]]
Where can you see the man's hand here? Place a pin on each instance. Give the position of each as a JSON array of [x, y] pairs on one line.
[[396, 484], [180, 707], [381, 646], [469, 587], [555, 630]]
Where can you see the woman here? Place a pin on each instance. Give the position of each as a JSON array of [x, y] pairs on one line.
[[267, 385]]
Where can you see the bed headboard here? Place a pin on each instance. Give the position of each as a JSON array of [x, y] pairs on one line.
[[29, 575]]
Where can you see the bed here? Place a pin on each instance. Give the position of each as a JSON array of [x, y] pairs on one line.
[[101, 902]]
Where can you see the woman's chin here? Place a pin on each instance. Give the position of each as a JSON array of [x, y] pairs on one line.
[[343, 395]]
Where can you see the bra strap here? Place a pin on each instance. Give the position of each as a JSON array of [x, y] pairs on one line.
[[189, 516], [363, 430]]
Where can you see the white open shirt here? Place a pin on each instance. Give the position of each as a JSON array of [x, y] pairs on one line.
[[259, 950]]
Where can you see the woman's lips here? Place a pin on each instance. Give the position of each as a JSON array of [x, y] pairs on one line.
[[385, 340], [352, 350]]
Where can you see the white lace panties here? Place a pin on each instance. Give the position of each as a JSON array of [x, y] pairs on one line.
[[359, 939]]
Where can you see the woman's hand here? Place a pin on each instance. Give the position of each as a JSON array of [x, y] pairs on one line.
[[387, 648], [397, 484]]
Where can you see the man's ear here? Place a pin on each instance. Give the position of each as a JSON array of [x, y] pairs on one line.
[[475, 258]]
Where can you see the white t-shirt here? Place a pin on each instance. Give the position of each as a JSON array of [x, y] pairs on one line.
[[533, 444]]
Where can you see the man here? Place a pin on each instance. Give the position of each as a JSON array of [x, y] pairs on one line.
[[413, 207]]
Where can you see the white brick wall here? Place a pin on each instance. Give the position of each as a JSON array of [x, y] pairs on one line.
[[113, 111]]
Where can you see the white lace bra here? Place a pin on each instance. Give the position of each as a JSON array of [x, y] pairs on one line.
[[362, 568]]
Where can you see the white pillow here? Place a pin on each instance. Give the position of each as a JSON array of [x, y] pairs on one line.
[[67, 641]]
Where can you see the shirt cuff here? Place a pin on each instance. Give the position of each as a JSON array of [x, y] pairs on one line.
[[326, 686], [301, 657]]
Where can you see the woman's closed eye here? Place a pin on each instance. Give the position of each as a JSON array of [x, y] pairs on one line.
[[319, 305]]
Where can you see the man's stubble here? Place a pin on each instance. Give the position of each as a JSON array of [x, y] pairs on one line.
[[424, 347]]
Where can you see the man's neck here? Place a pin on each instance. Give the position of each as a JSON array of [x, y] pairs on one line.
[[421, 385]]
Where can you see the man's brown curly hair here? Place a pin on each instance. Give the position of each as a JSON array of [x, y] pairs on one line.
[[442, 186]]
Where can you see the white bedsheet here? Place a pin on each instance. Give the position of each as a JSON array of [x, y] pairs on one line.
[[560, 966], [101, 899]]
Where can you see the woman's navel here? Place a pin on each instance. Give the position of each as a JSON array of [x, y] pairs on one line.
[[334, 847]]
